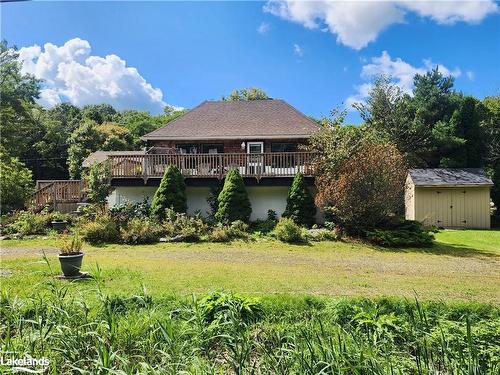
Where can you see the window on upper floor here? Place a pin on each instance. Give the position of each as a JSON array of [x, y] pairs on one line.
[[283, 147]]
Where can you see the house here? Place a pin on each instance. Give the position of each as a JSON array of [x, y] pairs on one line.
[[262, 139], [449, 198]]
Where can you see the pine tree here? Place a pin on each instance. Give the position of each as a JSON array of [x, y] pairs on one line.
[[300, 205], [170, 194], [233, 202]]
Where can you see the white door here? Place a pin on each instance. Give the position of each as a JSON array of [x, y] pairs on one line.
[[255, 162]]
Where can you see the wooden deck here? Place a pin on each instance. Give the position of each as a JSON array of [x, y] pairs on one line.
[[276, 164], [56, 193]]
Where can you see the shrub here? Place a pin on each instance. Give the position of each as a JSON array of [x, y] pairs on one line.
[[367, 190], [97, 183], [141, 231], [237, 230], [182, 227], [233, 202], [300, 205], [28, 223], [219, 306], [288, 231], [102, 230], [16, 183], [323, 234], [127, 211], [407, 234], [170, 194], [265, 226], [213, 202]]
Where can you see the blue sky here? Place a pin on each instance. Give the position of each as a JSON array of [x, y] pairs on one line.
[[314, 55]]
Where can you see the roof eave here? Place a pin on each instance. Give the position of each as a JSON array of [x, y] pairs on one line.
[[484, 184], [222, 137]]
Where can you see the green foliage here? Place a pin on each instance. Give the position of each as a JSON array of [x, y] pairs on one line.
[[407, 234], [127, 211], [19, 92], [251, 93], [213, 202], [114, 137], [323, 234], [436, 127], [233, 202], [237, 230], [288, 231], [265, 226], [229, 333], [140, 123], [100, 231], [82, 142], [182, 227], [300, 205], [170, 194], [221, 307], [70, 245], [141, 231], [97, 183], [99, 113], [367, 190], [490, 129], [29, 223], [16, 183]]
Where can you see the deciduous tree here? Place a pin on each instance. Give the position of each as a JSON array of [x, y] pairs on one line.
[[368, 189]]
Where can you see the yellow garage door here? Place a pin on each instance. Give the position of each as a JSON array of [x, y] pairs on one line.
[[449, 208], [453, 207]]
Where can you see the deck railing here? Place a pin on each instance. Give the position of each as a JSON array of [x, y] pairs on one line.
[[52, 192], [275, 164]]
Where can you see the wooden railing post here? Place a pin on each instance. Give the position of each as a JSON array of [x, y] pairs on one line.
[[54, 203], [220, 166], [145, 169]]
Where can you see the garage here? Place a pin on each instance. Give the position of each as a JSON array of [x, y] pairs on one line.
[[449, 198]]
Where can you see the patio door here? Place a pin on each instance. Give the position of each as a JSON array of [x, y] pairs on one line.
[[255, 159]]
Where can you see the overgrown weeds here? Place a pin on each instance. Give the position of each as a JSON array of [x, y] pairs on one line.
[[229, 333]]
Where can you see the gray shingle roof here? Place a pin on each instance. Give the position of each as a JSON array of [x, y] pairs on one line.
[[100, 156], [449, 177], [270, 118]]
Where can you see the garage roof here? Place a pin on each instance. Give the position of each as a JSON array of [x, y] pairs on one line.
[[450, 177]]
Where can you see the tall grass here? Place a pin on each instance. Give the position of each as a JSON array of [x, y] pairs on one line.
[[227, 333]]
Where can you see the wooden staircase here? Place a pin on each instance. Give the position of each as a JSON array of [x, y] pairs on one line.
[[57, 195]]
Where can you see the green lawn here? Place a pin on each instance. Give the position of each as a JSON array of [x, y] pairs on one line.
[[463, 265]]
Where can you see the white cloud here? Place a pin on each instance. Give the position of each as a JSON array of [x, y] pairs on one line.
[[401, 72], [470, 75], [357, 23], [263, 28], [71, 73], [298, 50]]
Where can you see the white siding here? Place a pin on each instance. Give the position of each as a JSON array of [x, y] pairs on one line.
[[262, 199]]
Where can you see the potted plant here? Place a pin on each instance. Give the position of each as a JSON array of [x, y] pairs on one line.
[[71, 256], [58, 222]]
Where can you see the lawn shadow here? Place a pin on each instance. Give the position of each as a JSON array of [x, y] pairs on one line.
[[441, 248]]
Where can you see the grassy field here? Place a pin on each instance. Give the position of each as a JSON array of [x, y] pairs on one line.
[[462, 266]]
